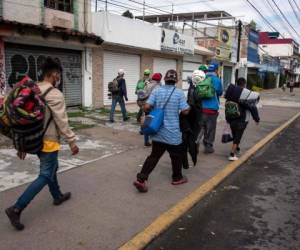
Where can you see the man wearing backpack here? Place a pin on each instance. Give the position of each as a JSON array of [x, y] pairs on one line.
[[118, 97], [238, 117], [140, 86], [56, 117], [210, 109], [169, 137]]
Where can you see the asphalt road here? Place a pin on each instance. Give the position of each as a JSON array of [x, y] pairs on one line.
[[255, 208]]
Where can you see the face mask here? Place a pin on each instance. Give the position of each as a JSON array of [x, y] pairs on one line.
[[57, 83]]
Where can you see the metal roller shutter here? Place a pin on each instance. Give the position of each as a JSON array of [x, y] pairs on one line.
[[131, 65], [27, 60], [227, 74], [162, 65]]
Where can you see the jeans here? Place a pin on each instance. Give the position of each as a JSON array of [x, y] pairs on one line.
[[158, 149], [120, 100], [208, 127], [146, 139], [47, 176]]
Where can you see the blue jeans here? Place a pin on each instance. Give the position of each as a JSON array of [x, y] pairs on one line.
[[47, 176], [120, 100]]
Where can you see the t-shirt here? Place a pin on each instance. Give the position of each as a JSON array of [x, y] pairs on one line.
[[170, 132]]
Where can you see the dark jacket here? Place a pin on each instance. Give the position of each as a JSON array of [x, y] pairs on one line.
[[247, 101], [122, 88]]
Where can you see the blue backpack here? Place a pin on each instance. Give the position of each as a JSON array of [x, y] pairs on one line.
[[154, 120]]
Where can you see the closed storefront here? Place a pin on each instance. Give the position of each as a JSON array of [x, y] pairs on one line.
[[21, 60], [190, 63], [112, 62], [227, 76], [162, 65]]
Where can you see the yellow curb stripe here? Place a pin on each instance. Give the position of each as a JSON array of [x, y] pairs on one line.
[[159, 225]]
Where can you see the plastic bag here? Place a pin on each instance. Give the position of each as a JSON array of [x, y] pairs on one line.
[[227, 135]]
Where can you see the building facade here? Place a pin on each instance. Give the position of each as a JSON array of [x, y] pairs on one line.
[[30, 31]]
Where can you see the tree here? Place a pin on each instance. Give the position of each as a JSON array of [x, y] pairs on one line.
[[253, 24], [128, 14]]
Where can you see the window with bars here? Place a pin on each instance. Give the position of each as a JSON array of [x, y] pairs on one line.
[[62, 5]]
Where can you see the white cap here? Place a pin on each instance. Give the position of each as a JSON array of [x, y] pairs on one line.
[[198, 76], [121, 72]]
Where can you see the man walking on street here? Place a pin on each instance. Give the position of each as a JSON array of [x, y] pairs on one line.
[[169, 137], [240, 119], [210, 111], [56, 114], [118, 97], [140, 86]]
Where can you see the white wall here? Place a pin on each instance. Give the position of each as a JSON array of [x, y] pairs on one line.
[[122, 30], [30, 11], [278, 49], [23, 11]]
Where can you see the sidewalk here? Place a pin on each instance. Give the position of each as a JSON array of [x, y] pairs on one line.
[[105, 210]]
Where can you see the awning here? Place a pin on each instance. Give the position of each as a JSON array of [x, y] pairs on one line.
[[45, 31], [203, 51]]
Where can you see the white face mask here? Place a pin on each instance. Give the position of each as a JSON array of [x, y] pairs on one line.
[[57, 83]]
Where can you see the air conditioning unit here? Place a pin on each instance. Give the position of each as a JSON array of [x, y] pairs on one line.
[[60, 22]]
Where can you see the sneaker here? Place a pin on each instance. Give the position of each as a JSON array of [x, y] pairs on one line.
[[181, 181], [141, 186], [232, 157], [209, 150], [126, 119], [14, 215], [64, 197], [111, 121], [147, 144]]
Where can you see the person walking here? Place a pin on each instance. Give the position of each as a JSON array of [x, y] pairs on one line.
[[292, 85], [169, 137], [140, 86], [57, 117], [210, 111], [144, 95], [118, 96], [238, 112]]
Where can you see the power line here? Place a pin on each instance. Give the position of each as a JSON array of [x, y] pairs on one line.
[[282, 23], [151, 7], [127, 6], [261, 15], [285, 18], [189, 3], [296, 5], [295, 13]]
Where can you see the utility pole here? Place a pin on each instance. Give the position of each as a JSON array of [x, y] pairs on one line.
[[238, 49], [105, 5], [96, 6], [144, 10]]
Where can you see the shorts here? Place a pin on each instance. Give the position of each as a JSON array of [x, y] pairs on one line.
[[237, 129]]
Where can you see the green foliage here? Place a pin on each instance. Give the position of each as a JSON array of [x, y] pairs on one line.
[[128, 14]]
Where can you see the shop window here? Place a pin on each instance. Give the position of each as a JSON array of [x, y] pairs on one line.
[[62, 5]]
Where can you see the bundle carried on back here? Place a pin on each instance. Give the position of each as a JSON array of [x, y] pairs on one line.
[[22, 116]]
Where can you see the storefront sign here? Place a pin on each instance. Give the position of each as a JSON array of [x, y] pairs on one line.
[[224, 50], [172, 41]]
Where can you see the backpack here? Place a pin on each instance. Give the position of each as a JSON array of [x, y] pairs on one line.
[[113, 86], [140, 85], [205, 89], [232, 110], [154, 120], [24, 116]]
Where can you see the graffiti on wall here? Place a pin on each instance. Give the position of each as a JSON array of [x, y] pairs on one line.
[[22, 66], [2, 68]]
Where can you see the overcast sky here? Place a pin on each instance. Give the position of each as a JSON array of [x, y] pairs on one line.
[[237, 8]]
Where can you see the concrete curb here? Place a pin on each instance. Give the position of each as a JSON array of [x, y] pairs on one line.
[[162, 223]]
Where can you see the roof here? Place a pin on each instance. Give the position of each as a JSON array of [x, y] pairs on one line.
[[203, 51], [265, 39], [46, 31], [189, 16]]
